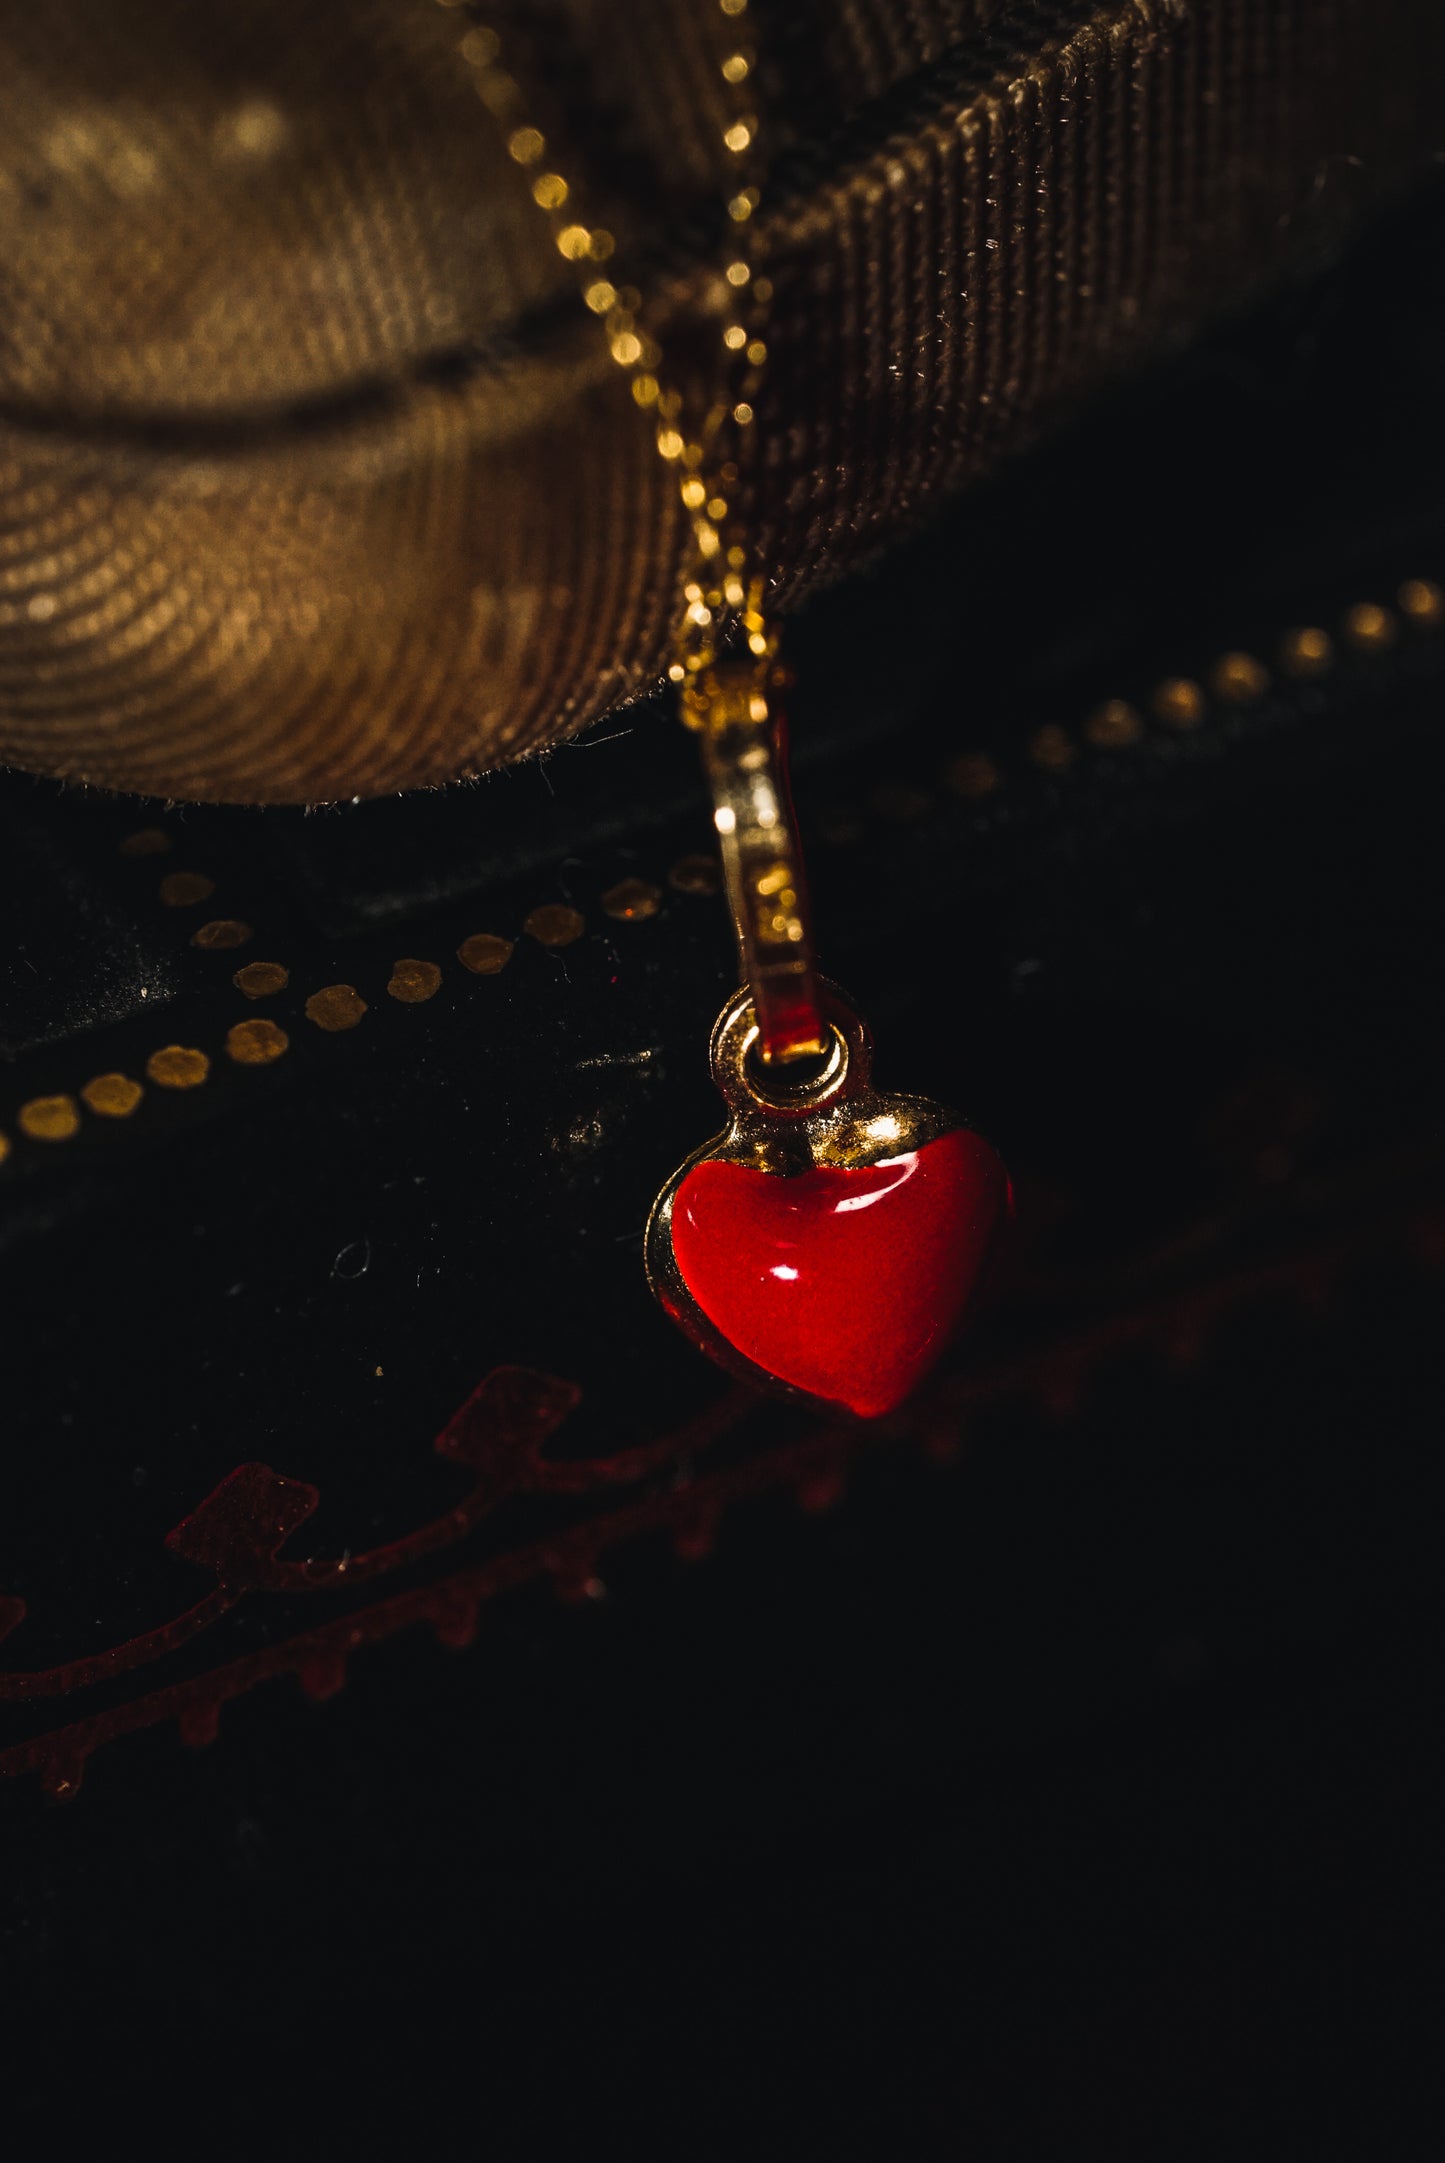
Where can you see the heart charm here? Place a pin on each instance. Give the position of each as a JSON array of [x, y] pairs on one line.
[[831, 1239]]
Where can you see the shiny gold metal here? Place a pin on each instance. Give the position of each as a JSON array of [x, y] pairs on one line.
[[723, 645], [735, 708], [832, 1116], [698, 432]]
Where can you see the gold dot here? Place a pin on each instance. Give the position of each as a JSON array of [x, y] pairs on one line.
[[147, 841], [1369, 627], [255, 1043], [738, 136], [498, 92], [525, 144], [1422, 601], [554, 924], [972, 775], [484, 953], [177, 1066], [549, 191], [183, 889], [1238, 679], [780, 927], [413, 982], [735, 68], [335, 1007], [253, 129], [112, 1096], [479, 48], [1178, 702], [1050, 748], [575, 242], [1306, 652], [4, 1147], [50, 1119], [695, 875], [743, 413], [627, 348], [632, 899], [1113, 726], [222, 931], [261, 979]]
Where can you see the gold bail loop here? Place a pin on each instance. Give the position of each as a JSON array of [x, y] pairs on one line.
[[736, 708]]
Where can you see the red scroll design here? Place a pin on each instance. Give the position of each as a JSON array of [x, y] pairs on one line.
[[500, 1436], [237, 1534]]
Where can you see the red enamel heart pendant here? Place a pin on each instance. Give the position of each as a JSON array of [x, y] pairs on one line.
[[831, 1239]]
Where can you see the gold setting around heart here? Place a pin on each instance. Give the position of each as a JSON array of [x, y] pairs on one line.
[[833, 1117]]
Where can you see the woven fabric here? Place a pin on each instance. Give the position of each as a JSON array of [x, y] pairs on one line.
[[314, 478]]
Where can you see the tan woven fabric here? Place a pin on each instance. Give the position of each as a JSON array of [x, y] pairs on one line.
[[314, 480]]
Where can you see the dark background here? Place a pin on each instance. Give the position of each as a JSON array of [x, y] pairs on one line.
[[1078, 1795]]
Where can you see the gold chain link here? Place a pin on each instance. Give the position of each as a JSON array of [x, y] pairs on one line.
[[731, 700], [720, 584]]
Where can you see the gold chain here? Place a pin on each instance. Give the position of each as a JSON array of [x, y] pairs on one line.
[[731, 700], [720, 585]]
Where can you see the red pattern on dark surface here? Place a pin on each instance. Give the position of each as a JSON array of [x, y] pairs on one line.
[[845, 1283], [500, 1433], [238, 1531]]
